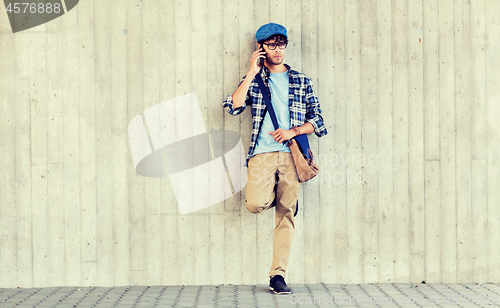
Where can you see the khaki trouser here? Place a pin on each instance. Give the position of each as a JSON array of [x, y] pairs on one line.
[[261, 191]]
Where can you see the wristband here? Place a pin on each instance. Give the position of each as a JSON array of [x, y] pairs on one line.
[[296, 130]]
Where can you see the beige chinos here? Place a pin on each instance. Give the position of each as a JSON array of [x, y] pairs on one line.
[[262, 169]]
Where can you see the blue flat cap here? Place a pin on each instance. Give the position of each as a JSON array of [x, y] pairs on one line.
[[268, 30]]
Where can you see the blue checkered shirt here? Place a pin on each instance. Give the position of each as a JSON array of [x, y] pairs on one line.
[[303, 104]]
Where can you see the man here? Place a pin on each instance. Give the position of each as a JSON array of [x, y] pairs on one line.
[[272, 177]]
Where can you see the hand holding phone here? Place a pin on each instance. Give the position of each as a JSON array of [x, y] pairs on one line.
[[257, 61]]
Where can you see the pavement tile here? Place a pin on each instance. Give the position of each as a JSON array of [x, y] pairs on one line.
[[466, 295], [168, 298], [249, 302]]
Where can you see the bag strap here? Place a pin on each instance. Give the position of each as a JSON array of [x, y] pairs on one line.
[[267, 100]]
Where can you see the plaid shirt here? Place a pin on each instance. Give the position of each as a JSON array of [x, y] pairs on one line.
[[303, 104]]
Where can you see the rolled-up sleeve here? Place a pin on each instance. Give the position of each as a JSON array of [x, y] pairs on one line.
[[228, 103], [313, 113]]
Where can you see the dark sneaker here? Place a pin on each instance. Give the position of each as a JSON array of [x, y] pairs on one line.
[[278, 285], [296, 209]]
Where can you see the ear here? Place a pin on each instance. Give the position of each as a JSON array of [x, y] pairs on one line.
[[259, 46]]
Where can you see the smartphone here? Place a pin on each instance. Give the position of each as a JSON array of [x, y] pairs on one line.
[[261, 59]]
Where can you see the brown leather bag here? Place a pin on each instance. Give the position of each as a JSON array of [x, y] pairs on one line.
[[306, 167]]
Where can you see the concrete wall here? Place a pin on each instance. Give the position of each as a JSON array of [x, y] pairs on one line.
[[409, 92]]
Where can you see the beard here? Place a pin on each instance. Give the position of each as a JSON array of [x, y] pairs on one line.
[[273, 61]]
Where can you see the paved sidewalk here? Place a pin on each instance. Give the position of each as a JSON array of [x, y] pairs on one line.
[[314, 295]]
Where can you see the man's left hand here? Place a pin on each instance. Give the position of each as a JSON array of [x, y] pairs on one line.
[[280, 135]]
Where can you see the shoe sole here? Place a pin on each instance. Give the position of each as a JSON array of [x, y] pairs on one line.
[[275, 292]]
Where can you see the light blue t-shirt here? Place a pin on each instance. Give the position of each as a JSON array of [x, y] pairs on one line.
[[278, 82]]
